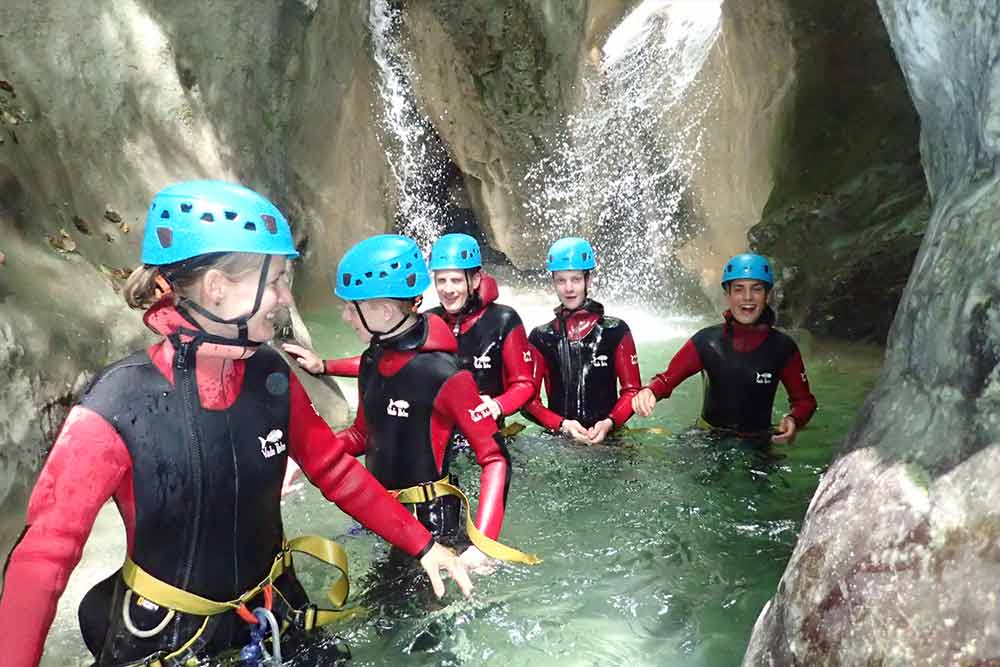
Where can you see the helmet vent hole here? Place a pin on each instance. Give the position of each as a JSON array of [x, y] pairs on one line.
[[165, 236], [185, 208], [368, 274], [409, 265], [165, 215], [411, 280], [270, 223], [250, 227], [230, 215], [394, 265], [207, 217], [465, 254], [383, 274], [346, 279], [357, 282], [586, 256]]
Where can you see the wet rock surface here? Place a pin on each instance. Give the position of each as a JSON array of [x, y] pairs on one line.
[[897, 561]]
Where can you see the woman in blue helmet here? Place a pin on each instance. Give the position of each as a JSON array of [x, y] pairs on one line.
[[741, 361], [190, 437], [413, 396], [492, 343], [588, 361]]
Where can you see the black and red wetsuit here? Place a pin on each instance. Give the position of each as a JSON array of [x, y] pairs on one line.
[[192, 447], [584, 357], [412, 397], [492, 345], [741, 366]]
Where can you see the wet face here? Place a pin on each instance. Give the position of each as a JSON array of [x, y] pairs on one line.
[[571, 287], [747, 299], [240, 293], [453, 288]]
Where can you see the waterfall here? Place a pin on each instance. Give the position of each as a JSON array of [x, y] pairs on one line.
[[416, 157], [619, 172]]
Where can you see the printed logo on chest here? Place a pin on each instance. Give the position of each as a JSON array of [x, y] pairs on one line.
[[483, 363], [764, 378], [601, 361], [272, 444], [398, 408]]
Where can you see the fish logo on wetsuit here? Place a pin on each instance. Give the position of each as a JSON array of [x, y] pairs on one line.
[[398, 408], [484, 362], [763, 378], [601, 361], [271, 444]]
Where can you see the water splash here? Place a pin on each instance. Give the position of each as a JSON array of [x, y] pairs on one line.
[[620, 172], [415, 154]]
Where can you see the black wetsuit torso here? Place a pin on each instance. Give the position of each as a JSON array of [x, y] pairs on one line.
[[480, 348], [740, 386], [400, 450], [583, 382], [207, 498]]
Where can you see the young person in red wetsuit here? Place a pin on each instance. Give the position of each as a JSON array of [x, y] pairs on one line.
[[584, 355], [741, 361], [190, 437], [492, 343], [412, 397]]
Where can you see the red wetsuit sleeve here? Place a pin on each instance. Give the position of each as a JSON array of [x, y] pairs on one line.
[[327, 461], [800, 398], [518, 363], [87, 464], [458, 400], [534, 409], [629, 380], [684, 364], [345, 368]]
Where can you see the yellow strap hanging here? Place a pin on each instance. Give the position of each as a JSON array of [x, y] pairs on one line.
[[426, 492]]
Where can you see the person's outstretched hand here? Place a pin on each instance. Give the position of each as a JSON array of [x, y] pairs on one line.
[[600, 430], [476, 561], [786, 431], [575, 430], [644, 402], [490, 405], [307, 359], [439, 558]]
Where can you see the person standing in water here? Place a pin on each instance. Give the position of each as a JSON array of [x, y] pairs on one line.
[[588, 361], [190, 437], [492, 343], [741, 361], [412, 396]]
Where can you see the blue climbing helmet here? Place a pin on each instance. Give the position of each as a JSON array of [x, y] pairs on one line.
[[570, 254], [194, 218], [455, 251], [387, 266], [748, 266]]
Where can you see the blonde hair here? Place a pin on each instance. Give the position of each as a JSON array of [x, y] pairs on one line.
[[147, 284]]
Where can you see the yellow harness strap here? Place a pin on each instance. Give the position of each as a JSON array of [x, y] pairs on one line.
[[171, 597], [423, 493]]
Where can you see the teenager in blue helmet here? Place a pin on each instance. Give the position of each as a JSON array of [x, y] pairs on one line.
[[190, 437], [492, 343], [413, 396], [741, 362], [588, 363]]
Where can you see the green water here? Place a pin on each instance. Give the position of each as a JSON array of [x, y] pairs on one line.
[[659, 549]]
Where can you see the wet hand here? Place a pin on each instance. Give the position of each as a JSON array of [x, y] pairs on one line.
[[476, 561], [575, 430], [599, 431], [491, 405], [307, 359], [439, 558], [786, 431], [644, 402]]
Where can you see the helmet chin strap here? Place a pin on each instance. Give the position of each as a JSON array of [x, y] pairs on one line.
[[185, 305], [378, 336]]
